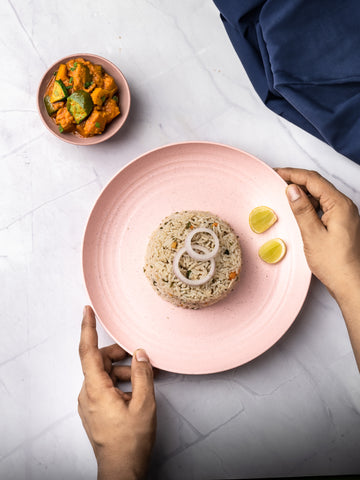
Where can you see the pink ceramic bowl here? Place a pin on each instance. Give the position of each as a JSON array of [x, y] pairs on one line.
[[113, 127]]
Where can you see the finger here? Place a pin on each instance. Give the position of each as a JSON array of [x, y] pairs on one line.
[[114, 352], [304, 212], [333, 203], [90, 356], [110, 354], [315, 184], [142, 380], [127, 396], [121, 373], [315, 203]]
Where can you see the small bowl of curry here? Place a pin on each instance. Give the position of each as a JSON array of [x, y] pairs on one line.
[[83, 99]]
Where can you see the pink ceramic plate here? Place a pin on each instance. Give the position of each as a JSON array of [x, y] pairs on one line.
[[196, 176]]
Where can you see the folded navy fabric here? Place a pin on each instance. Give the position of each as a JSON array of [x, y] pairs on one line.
[[303, 59]]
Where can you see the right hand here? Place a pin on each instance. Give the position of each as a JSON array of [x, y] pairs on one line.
[[332, 243]]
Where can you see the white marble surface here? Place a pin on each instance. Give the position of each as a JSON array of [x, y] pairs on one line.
[[294, 410]]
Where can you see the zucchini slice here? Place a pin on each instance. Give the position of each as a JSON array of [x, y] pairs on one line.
[[50, 108], [80, 105], [59, 92]]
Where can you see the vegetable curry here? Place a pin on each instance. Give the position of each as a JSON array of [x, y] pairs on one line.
[[82, 98]]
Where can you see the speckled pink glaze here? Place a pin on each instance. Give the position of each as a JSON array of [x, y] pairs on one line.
[[199, 176], [113, 127]]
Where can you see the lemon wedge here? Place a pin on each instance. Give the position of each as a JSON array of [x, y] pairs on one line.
[[261, 219], [272, 251]]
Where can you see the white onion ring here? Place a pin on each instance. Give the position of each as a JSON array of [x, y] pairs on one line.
[[199, 256], [182, 278]]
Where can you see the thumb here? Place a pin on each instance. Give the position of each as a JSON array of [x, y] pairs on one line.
[[304, 212], [142, 379]]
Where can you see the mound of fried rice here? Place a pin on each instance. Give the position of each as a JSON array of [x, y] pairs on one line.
[[169, 237]]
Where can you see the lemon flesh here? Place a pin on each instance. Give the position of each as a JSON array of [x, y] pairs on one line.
[[272, 251], [261, 219]]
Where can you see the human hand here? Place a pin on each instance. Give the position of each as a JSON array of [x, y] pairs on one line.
[[120, 426], [332, 243]]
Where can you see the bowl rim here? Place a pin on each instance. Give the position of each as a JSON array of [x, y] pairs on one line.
[[70, 138]]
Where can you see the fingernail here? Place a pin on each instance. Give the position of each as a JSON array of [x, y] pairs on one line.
[[84, 310], [141, 355], [293, 193]]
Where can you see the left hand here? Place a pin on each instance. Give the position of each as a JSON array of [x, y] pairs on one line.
[[120, 426]]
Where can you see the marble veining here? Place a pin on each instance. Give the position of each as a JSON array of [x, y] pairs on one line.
[[292, 411]]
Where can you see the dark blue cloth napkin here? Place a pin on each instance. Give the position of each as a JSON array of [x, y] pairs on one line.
[[303, 59]]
